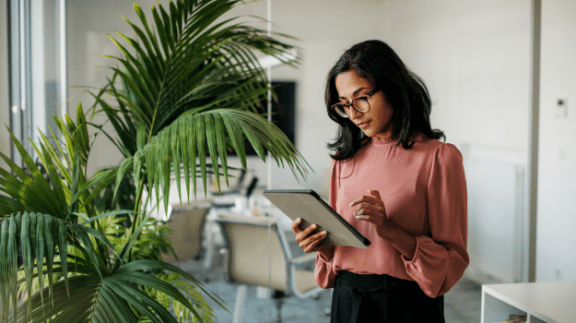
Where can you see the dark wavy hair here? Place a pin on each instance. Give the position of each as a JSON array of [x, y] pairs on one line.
[[404, 91]]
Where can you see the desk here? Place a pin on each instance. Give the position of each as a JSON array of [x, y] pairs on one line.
[[549, 302]]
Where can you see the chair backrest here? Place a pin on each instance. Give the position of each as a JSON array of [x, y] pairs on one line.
[[187, 222], [255, 256]]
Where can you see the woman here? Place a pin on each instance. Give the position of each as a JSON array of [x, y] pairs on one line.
[[395, 182]]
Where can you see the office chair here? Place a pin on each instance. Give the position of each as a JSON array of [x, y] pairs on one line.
[[253, 257], [187, 222], [186, 219], [244, 188]]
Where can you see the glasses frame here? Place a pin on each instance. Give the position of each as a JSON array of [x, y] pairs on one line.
[[351, 104]]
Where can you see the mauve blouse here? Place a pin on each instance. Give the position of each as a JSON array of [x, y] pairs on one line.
[[424, 193]]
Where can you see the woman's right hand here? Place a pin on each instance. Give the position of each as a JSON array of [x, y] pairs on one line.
[[308, 240]]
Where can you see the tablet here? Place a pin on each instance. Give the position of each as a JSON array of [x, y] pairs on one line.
[[309, 206]]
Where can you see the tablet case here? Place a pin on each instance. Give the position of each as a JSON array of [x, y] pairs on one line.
[[309, 206]]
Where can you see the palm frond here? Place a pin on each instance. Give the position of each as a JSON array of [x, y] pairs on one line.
[[182, 143], [36, 235], [119, 297], [187, 62], [184, 92], [30, 191]]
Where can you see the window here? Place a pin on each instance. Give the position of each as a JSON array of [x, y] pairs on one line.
[[37, 72]]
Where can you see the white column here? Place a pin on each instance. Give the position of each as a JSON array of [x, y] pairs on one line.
[[534, 132]]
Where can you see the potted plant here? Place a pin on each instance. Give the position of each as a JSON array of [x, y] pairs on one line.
[[185, 92]]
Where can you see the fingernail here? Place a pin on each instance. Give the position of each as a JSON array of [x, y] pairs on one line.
[[299, 219], [324, 233], [314, 226]]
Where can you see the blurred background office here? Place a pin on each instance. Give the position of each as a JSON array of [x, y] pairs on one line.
[[476, 58]]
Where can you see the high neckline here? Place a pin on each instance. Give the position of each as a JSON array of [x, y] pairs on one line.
[[383, 141]]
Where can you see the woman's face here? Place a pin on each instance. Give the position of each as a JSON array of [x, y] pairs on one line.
[[375, 122]]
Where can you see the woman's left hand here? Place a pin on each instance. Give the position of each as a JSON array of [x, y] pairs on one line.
[[371, 209]]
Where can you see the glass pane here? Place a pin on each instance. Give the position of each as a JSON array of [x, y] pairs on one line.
[[45, 48], [35, 68]]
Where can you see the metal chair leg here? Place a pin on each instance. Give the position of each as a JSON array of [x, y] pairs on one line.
[[240, 303]]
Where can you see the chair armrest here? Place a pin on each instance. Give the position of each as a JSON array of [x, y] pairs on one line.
[[305, 258]]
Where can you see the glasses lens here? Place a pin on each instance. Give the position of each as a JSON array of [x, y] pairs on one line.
[[361, 104], [340, 109]]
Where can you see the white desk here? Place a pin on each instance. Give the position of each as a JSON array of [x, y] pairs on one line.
[[550, 302]]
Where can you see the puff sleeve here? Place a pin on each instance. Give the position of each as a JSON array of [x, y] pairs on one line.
[[441, 257]]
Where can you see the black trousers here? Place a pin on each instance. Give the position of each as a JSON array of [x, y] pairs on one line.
[[382, 298]]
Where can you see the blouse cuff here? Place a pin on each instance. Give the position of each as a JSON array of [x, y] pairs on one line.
[[408, 261], [320, 261]]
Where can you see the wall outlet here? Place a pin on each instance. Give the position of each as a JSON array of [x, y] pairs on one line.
[[562, 108]]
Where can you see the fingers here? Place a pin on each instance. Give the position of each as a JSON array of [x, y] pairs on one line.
[[375, 193], [307, 239], [296, 225], [373, 198], [311, 242], [370, 209], [369, 212], [303, 234]]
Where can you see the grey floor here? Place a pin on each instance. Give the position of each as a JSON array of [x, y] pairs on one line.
[[461, 304]]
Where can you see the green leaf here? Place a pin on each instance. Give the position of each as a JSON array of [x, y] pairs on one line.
[[221, 144], [55, 179], [201, 146], [81, 234], [128, 246], [12, 258], [40, 247], [26, 245], [10, 206], [62, 250], [139, 300], [65, 309], [49, 234], [102, 238], [5, 282], [124, 168], [160, 265]]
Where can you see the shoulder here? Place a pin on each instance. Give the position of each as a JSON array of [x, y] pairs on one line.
[[437, 149]]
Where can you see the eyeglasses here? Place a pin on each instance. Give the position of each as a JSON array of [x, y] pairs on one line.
[[359, 104]]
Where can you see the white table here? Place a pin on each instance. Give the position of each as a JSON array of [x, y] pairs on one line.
[[550, 302]]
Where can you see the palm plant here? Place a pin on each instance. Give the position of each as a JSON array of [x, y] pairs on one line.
[[186, 91]]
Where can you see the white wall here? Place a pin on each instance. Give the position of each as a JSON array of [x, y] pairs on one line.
[[473, 55], [4, 104], [88, 23], [556, 235]]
